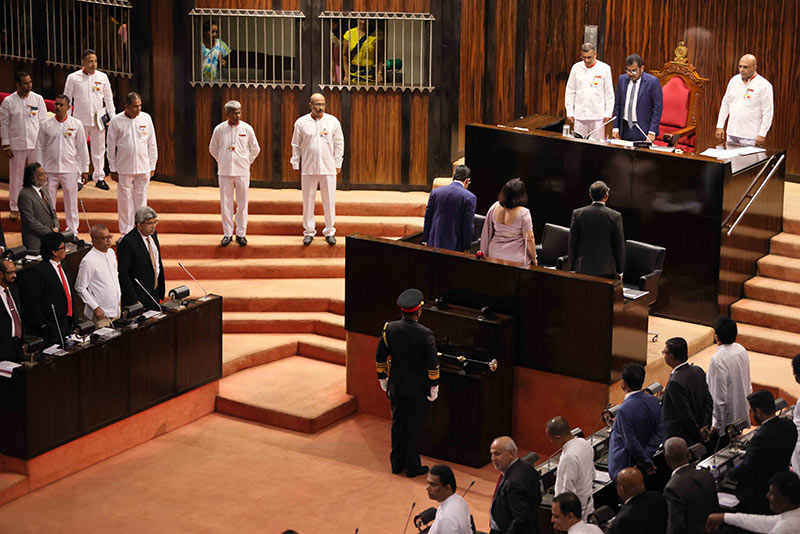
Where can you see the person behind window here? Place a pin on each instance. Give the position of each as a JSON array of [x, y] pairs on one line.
[[363, 51], [214, 51]]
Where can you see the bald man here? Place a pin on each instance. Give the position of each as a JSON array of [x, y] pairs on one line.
[[691, 493], [516, 498], [747, 106], [317, 153], [642, 511]]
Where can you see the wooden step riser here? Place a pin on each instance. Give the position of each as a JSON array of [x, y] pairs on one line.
[[775, 296], [267, 416], [255, 251], [278, 304], [256, 271], [309, 326], [790, 273]]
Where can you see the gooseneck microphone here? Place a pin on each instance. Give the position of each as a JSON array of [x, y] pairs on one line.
[[413, 504], [193, 278], [58, 326], [468, 488], [647, 139], [612, 119], [85, 217], [146, 292]]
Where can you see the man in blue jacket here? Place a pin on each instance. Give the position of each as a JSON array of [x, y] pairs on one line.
[[450, 215], [638, 103], [637, 430]]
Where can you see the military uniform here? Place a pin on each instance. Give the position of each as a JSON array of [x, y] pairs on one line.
[[406, 355]]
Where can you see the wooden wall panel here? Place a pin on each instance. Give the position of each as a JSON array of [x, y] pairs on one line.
[[472, 65], [289, 113], [206, 119], [418, 164], [505, 35], [374, 138], [163, 86]]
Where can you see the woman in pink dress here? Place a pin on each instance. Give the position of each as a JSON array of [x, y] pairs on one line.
[[508, 231]]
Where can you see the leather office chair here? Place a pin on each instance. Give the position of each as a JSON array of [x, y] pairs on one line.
[[476, 233], [643, 265], [554, 248]]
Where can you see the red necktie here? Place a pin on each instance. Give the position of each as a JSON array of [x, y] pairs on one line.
[[14, 314], [497, 486], [66, 290]]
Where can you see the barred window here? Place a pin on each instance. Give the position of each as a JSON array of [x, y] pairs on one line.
[[371, 50], [101, 25], [247, 47], [16, 30]]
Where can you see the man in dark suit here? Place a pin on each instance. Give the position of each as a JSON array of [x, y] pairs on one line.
[[769, 451], [638, 103], [450, 214], [642, 511], [637, 431], [516, 498], [691, 493], [139, 258], [48, 289], [11, 327], [686, 404], [37, 216], [596, 238], [410, 378]]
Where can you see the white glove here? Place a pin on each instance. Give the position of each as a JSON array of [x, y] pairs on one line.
[[434, 393], [384, 382]]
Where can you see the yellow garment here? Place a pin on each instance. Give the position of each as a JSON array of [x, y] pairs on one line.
[[362, 64]]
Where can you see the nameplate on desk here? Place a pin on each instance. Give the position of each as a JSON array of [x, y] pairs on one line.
[[54, 350], [7, 368], [633, 294], [152, 314], [106, 333]]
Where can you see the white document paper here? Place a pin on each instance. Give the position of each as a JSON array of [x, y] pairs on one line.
[[719, 153], [747, 150], [620, 142], [54, 350], [602, 477], [6, 368], [728, 500], [149, 314]]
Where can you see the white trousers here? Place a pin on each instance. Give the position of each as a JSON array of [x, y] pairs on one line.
[[69, 185], [131, 195], [327, 186], [16, 171], [97, 151], [583, 127], [227, 186]]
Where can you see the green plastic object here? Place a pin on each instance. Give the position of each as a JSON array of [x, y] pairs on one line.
[[394, 64]]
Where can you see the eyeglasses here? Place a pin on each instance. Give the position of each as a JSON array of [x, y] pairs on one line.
[[150, 223]]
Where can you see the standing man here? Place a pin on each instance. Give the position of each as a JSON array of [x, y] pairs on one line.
[[21, 114], [686, 404], [49, 295], [132, 157], [596, 238], [98, 279], [11, 330], [140, 261], [318, 151], [575, 470], [37, 216], [452, 516], [450, 214], [516, 499], [642, 511], [93, 104], [589, 98], [408, 372], [638, 103], [61, 149], [235, 147], [637, 432], [567, 514], [747, 105], [691, 493], [728, 377]]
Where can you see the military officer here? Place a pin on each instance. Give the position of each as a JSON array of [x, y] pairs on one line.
[[408, 370]]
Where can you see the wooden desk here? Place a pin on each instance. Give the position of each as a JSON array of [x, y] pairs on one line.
[[677, 201], [52, 402]]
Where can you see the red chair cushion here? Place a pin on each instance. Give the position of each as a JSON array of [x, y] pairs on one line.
[[676, 103], [49, 104]]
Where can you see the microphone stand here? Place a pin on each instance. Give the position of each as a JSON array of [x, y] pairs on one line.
[[646, 139], [609, 121], [413, 504], [58, 327], [205, 295], [146, 292], [85, 217]]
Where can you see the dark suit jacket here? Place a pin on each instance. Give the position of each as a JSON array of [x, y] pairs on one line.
[[596, 241], [134, 262], [686, 405], [37, 217], [9, 349], [645, 513], [515, 506], [636, 434], [414, 366], [450, 217], [649, 104], [691, 495], [42, 290], [769, 451]]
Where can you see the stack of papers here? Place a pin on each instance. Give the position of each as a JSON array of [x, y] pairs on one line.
[[720, 153], [6, 368], [620, 142]]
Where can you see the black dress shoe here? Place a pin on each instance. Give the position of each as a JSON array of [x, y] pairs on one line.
[[226, 241], [307, 240], [417, 471], [80, 185], [330, 240], [397, 471], [242, 241], [102, 185]]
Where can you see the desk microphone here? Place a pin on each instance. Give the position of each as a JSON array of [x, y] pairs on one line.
[[195, 279], [85, 217], [647, 139], [468, 488], [413, 504], [586, 136], [146, 292], [58, 326]]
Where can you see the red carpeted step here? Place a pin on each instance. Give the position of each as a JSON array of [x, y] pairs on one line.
[[766, 314], [791, 224], [773, 290], [296, 393], [322, 323], [206, 246], [769, 340], [242, 351], [256, 268], [786, 244], [12, 486], [780, 267]]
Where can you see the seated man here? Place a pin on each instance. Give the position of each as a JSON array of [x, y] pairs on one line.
[[48, 294], [686, 405], [637, 430], [452, 516], [98, 279], [575, 471], [141, 273], [450, 214], [642, 511], [567, 513], [769, 451], [515, 504], [691, 493]]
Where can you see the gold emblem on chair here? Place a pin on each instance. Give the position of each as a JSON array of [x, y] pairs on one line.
[[681, 54]]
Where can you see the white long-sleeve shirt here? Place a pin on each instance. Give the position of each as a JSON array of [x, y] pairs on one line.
[[575, 472], [234, 147], [452, 517], [317, 145], [785, 523], [590, 92], [582, 527], [89, 94], [20, 119], [728, 380], [796, 453], [61, 146], [131, 144], [748, 106], [98, 283]]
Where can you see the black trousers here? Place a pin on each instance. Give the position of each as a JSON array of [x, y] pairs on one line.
[[408, 417]]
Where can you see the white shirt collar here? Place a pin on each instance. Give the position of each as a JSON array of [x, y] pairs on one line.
[[678, 469], [679, 366], [55, 264], [631, 393]]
